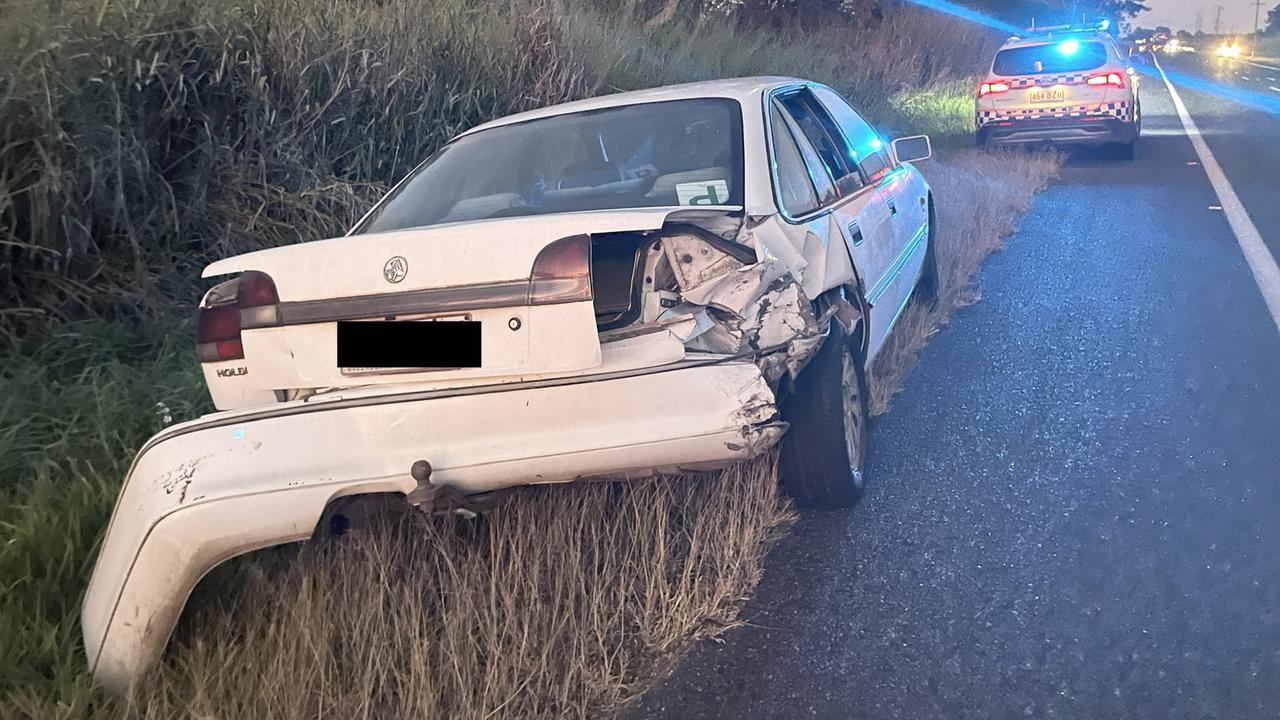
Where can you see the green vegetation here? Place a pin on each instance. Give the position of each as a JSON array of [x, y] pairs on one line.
[[74, 407], [139, 139]]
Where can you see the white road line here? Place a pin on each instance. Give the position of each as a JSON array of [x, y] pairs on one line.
[[1258, 64], [1273, 87], [1261, 263]]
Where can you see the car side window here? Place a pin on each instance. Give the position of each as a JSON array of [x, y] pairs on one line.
[[795, 189], [822, 133], [864, 143]]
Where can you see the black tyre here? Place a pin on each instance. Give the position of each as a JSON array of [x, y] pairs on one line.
[[1127, 151], [927, 284], [824, 452]]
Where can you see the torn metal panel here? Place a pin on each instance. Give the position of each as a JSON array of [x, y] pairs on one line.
[[818, 244], [747, 314], [741, 308], [694, 261], [716, 222]]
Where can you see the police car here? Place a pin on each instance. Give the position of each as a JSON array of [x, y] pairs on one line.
[[1061, 84]]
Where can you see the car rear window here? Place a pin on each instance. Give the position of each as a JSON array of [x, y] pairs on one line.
[[1058, 57], [660, 154]]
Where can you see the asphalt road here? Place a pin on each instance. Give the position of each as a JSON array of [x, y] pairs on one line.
[[1076, 501]]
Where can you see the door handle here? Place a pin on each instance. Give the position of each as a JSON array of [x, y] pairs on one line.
[[893, 207], [855, 232]]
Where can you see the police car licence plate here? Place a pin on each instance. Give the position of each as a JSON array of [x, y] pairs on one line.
[[1048, 95]]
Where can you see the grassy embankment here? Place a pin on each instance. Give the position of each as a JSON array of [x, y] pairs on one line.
[[140, 140]]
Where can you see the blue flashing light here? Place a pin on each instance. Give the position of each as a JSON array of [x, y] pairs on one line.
[[876, 144], [1069, 47], [1249, 98], [238, 434]]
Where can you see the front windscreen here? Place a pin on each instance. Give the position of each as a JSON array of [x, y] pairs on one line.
[[1060, 57], [681, 152]]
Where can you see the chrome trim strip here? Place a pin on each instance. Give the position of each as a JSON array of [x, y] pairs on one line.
[[434, 300], [897, 314], [882, 285]]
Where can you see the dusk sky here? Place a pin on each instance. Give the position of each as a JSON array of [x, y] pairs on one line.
[[1237, 15]]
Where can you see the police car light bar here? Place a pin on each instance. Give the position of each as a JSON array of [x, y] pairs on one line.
[[1099, 26]]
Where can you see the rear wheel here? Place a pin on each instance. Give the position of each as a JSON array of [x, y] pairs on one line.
[[824, 452], [1127, 151]]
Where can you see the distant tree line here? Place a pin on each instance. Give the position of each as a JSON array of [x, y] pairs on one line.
[[785, 12]]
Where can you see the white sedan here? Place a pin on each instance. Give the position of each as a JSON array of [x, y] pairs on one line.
[[662, 280]]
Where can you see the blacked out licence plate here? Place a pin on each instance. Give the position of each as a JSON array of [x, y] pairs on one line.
[[370, 347]]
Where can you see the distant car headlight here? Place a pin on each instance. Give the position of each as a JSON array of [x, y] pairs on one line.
[[1225, 50]]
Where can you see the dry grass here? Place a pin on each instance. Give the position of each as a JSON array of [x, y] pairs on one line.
[[561, 603], [978, 196]]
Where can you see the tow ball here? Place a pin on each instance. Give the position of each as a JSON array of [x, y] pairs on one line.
[[434, 499]]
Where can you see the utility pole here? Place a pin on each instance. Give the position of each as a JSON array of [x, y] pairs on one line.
[[1217, 20], [1197, 22], [1257, 7]]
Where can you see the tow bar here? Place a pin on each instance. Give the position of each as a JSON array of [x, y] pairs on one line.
[[435, 499]]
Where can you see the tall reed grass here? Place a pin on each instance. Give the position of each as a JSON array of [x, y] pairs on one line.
[[140, 139]]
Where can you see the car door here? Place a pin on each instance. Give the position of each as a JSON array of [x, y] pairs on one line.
[[804, 192], [863, 211], [898, 202]]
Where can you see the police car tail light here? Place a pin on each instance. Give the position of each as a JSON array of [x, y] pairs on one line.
[[991, 88], [1108, 79]]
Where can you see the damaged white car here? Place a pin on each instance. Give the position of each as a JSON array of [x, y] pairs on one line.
[[662, 280]]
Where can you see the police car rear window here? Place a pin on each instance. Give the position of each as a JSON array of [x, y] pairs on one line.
[[1059, 57]]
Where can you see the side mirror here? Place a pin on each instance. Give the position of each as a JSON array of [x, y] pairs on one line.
[[912, 149]]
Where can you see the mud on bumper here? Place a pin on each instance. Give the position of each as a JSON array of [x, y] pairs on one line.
[[229, 483]]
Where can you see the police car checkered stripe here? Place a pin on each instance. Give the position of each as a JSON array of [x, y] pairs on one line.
[[1072, 79], [1119, 110]]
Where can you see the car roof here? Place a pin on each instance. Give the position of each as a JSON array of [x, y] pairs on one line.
[[1050, 38], [744, 90]]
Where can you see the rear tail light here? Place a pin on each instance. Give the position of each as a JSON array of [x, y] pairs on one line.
[[218, 333], [1108, 79], [989, 88], [249, 301], [258, 302], [562, 272]]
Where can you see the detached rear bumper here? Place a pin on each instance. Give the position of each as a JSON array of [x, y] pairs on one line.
[[229, 483]]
